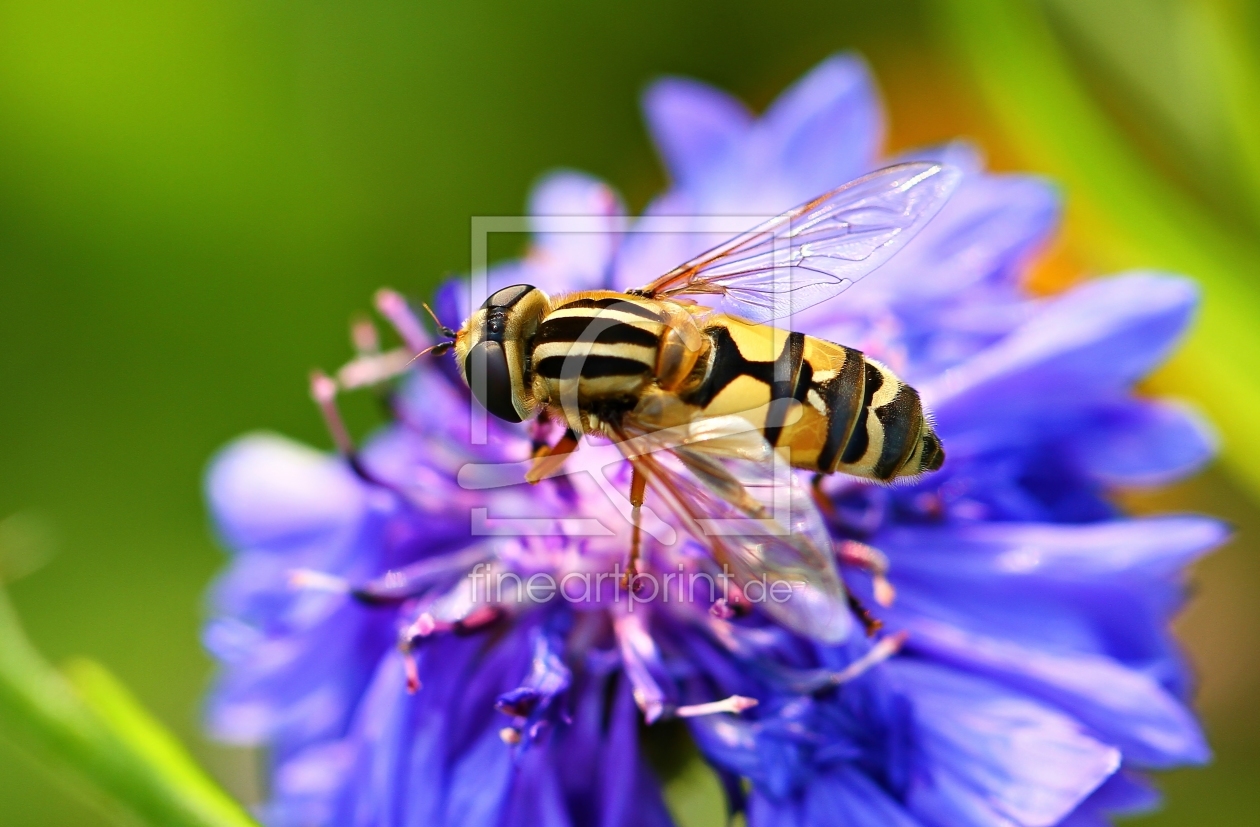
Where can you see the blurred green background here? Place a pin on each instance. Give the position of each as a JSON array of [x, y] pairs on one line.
[[195, 196]]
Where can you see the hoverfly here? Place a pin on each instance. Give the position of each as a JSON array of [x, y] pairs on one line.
[[688, 378]]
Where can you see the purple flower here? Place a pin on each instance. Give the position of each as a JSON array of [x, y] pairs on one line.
[[1024, 675]]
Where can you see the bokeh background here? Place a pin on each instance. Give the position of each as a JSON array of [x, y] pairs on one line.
[[196, 195]]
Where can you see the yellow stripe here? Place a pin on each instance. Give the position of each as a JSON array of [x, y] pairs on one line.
[[608, 313], [579, 350]]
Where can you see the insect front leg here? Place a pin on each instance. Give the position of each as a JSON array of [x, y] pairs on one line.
[[549, 460], [638, 490]]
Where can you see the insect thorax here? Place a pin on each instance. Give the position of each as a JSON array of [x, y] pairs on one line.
[[594, 354]]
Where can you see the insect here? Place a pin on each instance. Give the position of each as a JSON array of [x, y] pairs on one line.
[[688, 377]]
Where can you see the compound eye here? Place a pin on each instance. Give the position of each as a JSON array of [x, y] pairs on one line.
[[506, 297], [493, 389]]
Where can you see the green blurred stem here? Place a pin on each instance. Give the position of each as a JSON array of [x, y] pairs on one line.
[[1124, 213], [87, 726]]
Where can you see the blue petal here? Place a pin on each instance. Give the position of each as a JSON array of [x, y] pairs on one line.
[[1104, 589], [642, 662], [299, 686], [693, 125], [775, 765], [1123, 794], [479, 783], [577, 259], [992, 757], [299, 658], [596, 761], [548, 679], [630, 795], [842, 793], [453, 768], [819, 134], [1083, 348], [268, 492], [448, 303], [537, 796], [1128, 554], [1108, 332], [1141, 442], [560, 260], [321, 784], [827, 128], [310, 788], [1074, 614], [1123, 706], [430, 758]]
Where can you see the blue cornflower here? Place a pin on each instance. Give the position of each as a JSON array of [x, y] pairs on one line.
[[1024, 675]]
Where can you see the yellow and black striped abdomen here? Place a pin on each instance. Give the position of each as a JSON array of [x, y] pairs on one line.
[[828, 406]]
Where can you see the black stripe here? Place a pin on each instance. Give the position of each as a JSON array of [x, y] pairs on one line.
[[592, 367], [725, 366], [593, 329], [804, 383], [785, 370], [900, 418], [860, 440], [933, 455], [842, 396], [615, 302]]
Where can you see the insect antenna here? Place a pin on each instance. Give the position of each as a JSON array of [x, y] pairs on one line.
[[441, 328], [437, 350], [441, 347]]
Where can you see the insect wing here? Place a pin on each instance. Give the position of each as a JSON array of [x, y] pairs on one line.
[[817, 250], [718, 478]]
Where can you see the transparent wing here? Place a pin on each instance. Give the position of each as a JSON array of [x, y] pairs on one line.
[[817, 250], [718, 478]]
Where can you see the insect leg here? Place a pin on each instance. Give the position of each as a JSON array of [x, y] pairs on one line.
[[870, 623], [824, 503], [549, 460], [874, 562], [860, 555], [538, 436], [638, 489]]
